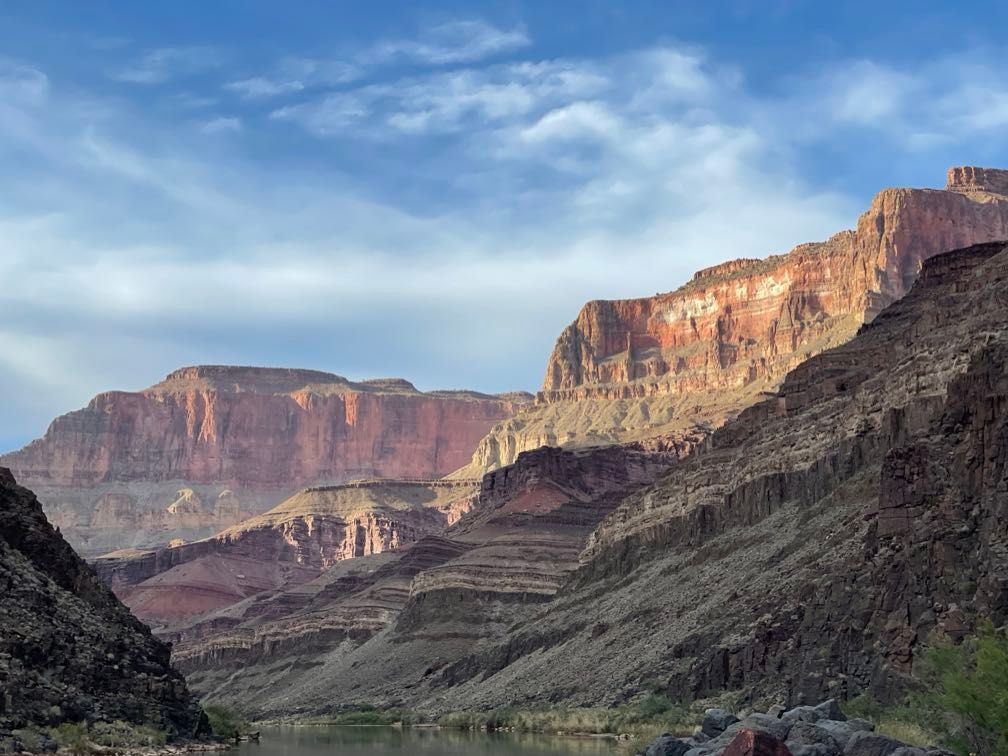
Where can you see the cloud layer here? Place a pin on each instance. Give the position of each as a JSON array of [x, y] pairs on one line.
[[436, 207]]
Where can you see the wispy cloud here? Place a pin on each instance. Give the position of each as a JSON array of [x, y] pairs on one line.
[[444, 102], [159, 66], [260, 86], [454, 42], [546, 181], [22, 85], [221, 125], [294, 75]]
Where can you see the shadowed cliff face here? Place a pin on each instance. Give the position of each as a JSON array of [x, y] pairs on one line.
[[210, 446], [639, 368], [69, 651], [807, 549]]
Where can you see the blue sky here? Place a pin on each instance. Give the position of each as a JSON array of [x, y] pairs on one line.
[[432, 190]]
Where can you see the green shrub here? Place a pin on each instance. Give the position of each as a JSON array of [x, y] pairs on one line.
[[965, 693], [30, 738], [124, 734], [224, 723], [72, 736], [653, 714], [863, 707], [368, 715]]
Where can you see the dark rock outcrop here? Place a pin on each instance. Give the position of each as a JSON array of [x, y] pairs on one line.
[[69, 650]]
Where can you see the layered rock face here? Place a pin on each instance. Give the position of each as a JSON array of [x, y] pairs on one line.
[[69, 650], [807, 549], [641, 368], [375, 623], [812, 545], [211, 445], [290, 545]]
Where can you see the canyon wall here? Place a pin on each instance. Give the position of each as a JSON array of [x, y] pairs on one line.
[[212, 445], [689, 359], [807, 549], [431, 601]]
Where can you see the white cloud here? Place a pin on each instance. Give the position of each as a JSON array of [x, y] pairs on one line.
[[22, 85], [494, 201], [293, 75], [260, 86], [161, 65], [444, 44], [454, 42], [221, 125]]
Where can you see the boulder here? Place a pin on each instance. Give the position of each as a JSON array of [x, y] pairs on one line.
[[756, 743], [910, 751], [779, 728], [817, 749], [716, 721], [668, 745], [830, 709], [808, 734], [843, 731], [871, 744], [803, 714]]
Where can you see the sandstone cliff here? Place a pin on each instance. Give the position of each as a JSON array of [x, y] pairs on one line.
[[69, 651], [689, 359], [210, 446], [807, 549]]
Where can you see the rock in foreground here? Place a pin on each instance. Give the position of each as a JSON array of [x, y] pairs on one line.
[[69, 650], [820, 730]]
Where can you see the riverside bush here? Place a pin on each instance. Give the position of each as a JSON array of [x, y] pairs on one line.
[[961, 701], [965, 693], [224, 722], [655, 713]]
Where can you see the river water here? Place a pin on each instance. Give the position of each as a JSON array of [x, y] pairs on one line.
[[391, 741]]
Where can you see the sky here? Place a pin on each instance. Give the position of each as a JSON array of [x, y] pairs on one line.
[[432, 190]]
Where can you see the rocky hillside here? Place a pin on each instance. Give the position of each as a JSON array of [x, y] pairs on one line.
[[807, 549], [437, 598], [210, 446], [664, 365], [69, 651], [290, 545]]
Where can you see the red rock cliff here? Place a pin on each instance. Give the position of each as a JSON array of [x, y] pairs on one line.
[[249, 435], [662, 366], [743, 319]]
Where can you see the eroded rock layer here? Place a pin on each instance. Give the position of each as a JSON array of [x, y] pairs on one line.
[[210, 446], [815, 543], [69, 650], [807, 549], [435, 600], [640, 368], [284, 548]]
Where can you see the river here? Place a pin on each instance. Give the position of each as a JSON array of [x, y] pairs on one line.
[[391, 741]]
